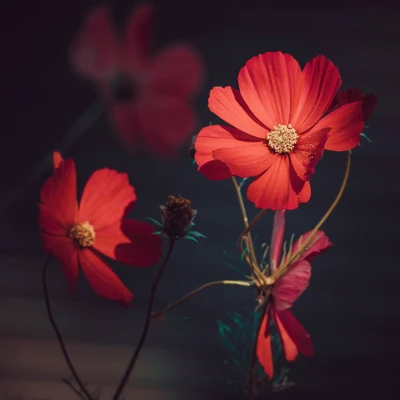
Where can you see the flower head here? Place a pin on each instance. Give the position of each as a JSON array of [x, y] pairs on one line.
[[77, 234], [294, 338], [278, 130], [147, 95]]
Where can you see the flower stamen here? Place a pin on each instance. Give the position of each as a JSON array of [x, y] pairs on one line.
[[83, 234], [282, 139]]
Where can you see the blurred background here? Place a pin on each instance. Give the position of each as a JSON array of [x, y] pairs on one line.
[[352, 306]]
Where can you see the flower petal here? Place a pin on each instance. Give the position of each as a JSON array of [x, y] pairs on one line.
[[321, 81], [58, 206], [228, 104], [94, 51], [278, 232], [131, 242], [369, 103], [319, 243], [277, 188], [125, 120], [64, 250], [290, 286], [176, 72], [57, 159], [346, 127], [107, 198], [264, 351], [308, 151], [102, 279], [289, 347], [297, 334], [353, 94], [305, 193], [271, 85]]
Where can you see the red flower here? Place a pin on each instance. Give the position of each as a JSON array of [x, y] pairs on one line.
[[287, 289], [148, 96], [278, 132], [369, 101], [76, 235]]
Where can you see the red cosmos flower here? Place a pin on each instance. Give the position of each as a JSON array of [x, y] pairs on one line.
[[286, 290], [278, 132], [76, 235], [369, 101], [147, 96]]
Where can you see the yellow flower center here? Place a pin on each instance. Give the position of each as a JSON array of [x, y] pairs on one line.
[[83, 234], [282, 139]]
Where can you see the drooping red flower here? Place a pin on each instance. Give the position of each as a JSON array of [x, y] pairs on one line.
[[294, 338], [369, 101], [147, 96], [278, 130], [77, 235]]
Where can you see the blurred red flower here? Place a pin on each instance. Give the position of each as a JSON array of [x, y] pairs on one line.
[[286, 291], [76, 235], [147, 96], [279, 132], [369, 101]]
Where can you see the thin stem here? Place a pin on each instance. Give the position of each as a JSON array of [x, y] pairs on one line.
[[249, 239], [82, 124], [199, 289], [58, 333], [250, 376], [307, 242], [73, 388], [147, 323]]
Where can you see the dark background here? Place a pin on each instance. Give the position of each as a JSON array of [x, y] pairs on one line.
[[352, 306]]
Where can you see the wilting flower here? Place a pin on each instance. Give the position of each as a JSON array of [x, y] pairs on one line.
[[147, 96], [285, 292], [77, 234], [278, 130], [369, 101]]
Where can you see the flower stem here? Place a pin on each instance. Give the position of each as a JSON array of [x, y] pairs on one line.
[[58, 333], [195, 291], [147, 323]]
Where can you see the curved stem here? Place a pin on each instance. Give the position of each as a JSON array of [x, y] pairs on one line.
[[250, 376], [195, 291], [147, 323], [58, 333], [307, 242]]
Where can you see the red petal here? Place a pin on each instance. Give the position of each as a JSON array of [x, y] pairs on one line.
[[308, 152], [166, 125], [103, 281], [247, 158], [64, 250], [228, 104], [131, 242], [177, 72], [58, 206], [57, 158], [288, 288], [289, 347], [107, 198], [369, 104], [297, 334], [135, 49], [346, 127], [321, 82], [264, 351], [305, 193], [215, 137], [94, 50], [271, 86], [277, 188], [278, 232], [126, 123], [319, 243]]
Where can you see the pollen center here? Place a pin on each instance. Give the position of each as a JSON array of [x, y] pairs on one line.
[[83, 234], [282, 139]]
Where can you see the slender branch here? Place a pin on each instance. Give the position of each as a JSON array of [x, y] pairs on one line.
[[199, 289], [58, 333], [147, 323], [73, 388], [307, 242], [250, 376]]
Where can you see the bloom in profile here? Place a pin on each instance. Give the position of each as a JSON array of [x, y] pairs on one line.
[[148, 96], [278, 131], [369, 101], [294, 338], [77, 234]]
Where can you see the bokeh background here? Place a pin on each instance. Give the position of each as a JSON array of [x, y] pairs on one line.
[[352, 306]]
